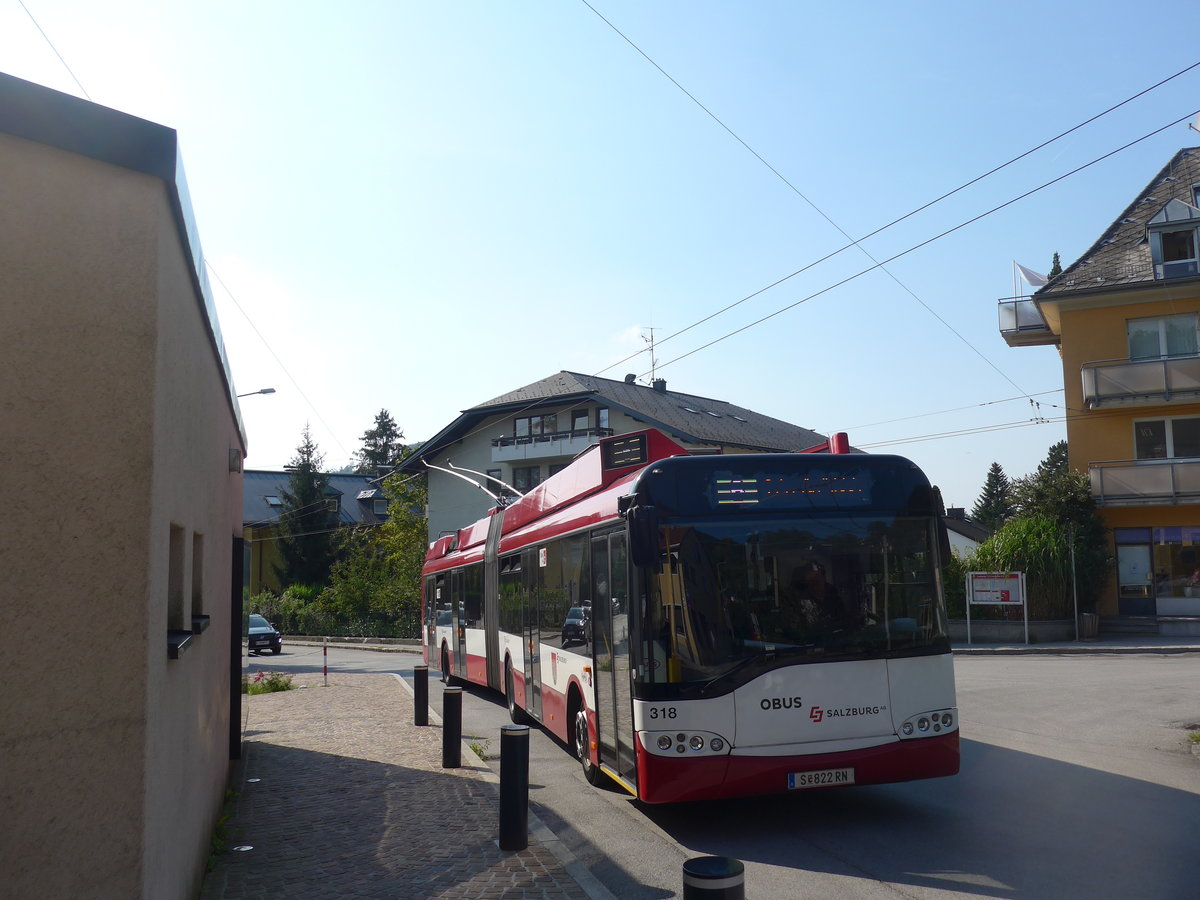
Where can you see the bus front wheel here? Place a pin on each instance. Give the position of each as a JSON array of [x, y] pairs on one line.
[[583, 748], [447, 678]]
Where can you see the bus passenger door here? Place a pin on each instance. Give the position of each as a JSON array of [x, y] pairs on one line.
[[611, 625], [533, 643], [460, 625]]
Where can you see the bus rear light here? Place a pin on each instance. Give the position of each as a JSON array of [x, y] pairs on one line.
[[927, 724]]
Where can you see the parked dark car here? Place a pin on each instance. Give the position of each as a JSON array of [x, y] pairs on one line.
[[577, 627], [264, 635]]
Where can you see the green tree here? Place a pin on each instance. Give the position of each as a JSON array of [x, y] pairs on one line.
[[1055, 268], [306, 521], [1064, 497], [375, 589], [995, 503], [381, 446]]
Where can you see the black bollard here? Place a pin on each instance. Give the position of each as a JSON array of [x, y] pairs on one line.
[[714, 878], [420, 695], [514, 787], [451, 728]]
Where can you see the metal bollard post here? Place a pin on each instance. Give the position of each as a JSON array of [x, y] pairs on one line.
[[451, 728], [420, 695], [714, 878], [514, 787]]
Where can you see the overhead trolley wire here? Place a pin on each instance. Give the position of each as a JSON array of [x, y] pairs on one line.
[[931, 240], [853, 242]]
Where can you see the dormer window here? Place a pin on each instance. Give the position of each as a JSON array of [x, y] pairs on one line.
[[1174, 233]]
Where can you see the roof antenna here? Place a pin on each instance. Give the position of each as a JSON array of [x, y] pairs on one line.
[[650, 341]]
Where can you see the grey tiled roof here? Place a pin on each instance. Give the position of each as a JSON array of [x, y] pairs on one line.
[[686, 417], [693, 418], [1121, 255], [355, 493]]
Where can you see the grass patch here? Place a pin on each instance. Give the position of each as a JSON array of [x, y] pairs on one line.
[[1194, 737], [266, 683], [219, 842], [480, 749]]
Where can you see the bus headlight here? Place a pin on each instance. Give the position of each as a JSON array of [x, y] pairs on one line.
[[928, 724], [693, 743]]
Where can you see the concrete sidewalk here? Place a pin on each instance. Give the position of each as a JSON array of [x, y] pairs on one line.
[[340, 795]]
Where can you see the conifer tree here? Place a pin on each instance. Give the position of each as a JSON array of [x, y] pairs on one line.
[[381, 446], [1055, 268], [306, 520], [994, 505]]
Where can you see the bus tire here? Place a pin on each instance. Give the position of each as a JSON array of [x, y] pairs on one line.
[[447, 678], [581, 745], [515, 713]]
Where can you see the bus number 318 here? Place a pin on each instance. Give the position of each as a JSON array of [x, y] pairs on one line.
[[665, 712]]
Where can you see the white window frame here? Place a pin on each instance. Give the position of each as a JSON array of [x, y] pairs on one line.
[[1161, 323], [1168, 422]]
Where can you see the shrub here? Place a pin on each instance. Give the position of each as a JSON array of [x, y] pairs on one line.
[[266, 683]]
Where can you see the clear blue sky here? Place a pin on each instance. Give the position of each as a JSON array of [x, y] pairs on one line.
[[420, 206]]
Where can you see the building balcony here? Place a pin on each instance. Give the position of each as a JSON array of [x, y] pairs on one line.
[[1122, 382], [545, 446], [1022, 325], [1146, 482]]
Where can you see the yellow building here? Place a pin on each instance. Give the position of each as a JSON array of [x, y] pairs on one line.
[[1124, 318]]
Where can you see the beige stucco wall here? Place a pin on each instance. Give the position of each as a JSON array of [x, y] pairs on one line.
[[115, 423]]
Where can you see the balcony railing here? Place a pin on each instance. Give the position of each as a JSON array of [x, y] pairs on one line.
[[1146, 482], [543, 446], [1124, 382], [1021, 323]]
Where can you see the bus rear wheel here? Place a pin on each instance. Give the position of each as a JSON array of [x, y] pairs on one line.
[[582, 747]]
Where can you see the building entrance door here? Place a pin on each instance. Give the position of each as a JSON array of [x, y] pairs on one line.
[[1135, 580]]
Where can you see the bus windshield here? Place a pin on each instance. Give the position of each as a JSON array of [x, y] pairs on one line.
[[736, 596]]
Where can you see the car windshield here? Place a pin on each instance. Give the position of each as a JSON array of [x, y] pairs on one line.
[[735, 598], [257, 621], [576, 613]]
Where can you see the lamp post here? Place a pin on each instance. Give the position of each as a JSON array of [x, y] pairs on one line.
[[262, 391]]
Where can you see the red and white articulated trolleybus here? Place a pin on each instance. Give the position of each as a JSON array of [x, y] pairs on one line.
[[709, 626]]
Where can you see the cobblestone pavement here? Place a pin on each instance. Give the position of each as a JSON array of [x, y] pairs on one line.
[[339, 795]]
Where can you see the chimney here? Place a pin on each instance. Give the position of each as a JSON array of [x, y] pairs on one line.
[[660, 385], [630, 378], [956, 512]]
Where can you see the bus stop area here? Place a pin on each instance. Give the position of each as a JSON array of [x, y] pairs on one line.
[[339, 794]]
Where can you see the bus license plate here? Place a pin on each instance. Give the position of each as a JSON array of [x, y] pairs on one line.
[[820, 778]]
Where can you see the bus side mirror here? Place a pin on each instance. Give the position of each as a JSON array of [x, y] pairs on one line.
[[643, 535]]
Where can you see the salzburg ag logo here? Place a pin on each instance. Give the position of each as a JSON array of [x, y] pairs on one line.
[[816, 714]]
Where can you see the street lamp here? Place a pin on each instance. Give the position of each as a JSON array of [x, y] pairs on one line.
[[262, 391]]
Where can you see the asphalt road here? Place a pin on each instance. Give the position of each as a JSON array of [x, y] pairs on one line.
[[1077, 782]]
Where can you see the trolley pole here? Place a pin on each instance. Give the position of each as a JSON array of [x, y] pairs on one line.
[[714, 878], [420, 695], [514, 787], [451, 728]]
